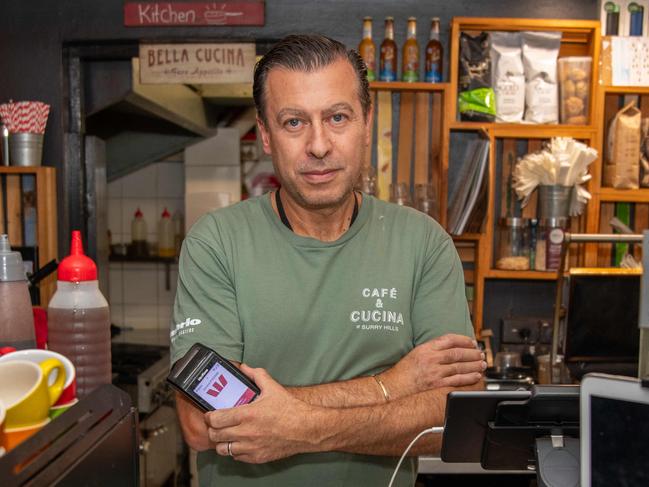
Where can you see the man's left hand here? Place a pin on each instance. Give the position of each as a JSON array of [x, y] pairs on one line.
[[273, 426]]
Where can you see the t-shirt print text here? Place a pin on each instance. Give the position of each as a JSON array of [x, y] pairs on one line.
[[377, 315]]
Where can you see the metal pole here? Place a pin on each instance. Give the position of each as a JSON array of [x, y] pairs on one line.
[[643, 318], [555, 360]]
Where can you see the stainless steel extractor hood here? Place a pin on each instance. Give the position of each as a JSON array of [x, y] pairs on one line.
[[140, 123]]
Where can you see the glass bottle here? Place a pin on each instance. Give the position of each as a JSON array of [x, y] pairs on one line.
[[388, 61], [410, 67], [434, 54], [367, 49]]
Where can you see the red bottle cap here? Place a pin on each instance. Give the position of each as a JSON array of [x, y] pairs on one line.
[[77, 267], [166, 214], [138, 214]]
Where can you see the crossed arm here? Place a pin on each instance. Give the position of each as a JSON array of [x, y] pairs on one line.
[[351, 416]]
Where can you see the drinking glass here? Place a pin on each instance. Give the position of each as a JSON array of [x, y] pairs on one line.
[[400, 194]]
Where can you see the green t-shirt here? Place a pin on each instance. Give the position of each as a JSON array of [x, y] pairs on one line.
[[313, 312]]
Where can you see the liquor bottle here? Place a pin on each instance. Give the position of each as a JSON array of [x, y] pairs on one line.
[[410, 67], [612, 18], [434, 54], [388, 62], [367, 49]]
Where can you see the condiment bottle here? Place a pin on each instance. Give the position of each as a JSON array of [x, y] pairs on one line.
[[79, 319], [410, 70], [16, 317], [434, 55], [166, 240], [388, 60], [367, 49], [138, 234]]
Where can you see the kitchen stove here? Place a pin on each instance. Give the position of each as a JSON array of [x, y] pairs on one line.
[[140, 363], [141, 370]]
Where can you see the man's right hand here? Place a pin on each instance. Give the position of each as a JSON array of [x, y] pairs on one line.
[[447, 361]]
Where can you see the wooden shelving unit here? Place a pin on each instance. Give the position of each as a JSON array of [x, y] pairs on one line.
[[420, 159], [579, 38], [12, 221], [425, 157], [601, 208]]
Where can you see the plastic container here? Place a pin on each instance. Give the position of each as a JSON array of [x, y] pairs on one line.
[[574, 89], [166, 245], [16, 317], [79, 319], [139, 245], [513, 246]]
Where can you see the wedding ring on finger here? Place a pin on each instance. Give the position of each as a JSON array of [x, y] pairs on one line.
[[230, 449]]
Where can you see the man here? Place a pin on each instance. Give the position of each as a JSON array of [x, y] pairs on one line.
[[323, 287]]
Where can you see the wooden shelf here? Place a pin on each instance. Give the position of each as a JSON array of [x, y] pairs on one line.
[[527, 131], [517, 24], [624, 195], [467, 237], [528, 275], [405, 86], [626, 90], [26, 169]]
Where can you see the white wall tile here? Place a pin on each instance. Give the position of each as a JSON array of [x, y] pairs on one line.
[[141, 184], [115, 188], [166, 297], [165, 314], [140, 287], [117, 314], [141, 316], [115, 285], [117, 238], [171, 180], [221, 149], [115, 216]]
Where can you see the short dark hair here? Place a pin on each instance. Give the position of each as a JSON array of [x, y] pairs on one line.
[[308, 52]]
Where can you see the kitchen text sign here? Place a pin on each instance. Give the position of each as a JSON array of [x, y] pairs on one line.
[[196, 63], [143, 14]]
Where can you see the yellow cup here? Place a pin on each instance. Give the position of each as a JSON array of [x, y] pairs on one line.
[[14, 437], [25, 392]]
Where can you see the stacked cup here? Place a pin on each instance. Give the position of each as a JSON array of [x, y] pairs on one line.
[[37, 386]]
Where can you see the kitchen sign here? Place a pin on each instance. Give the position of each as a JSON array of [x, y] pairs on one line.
[[144, 14], [196, 63]]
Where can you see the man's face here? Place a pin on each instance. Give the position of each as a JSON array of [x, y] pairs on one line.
[[315, 133]]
